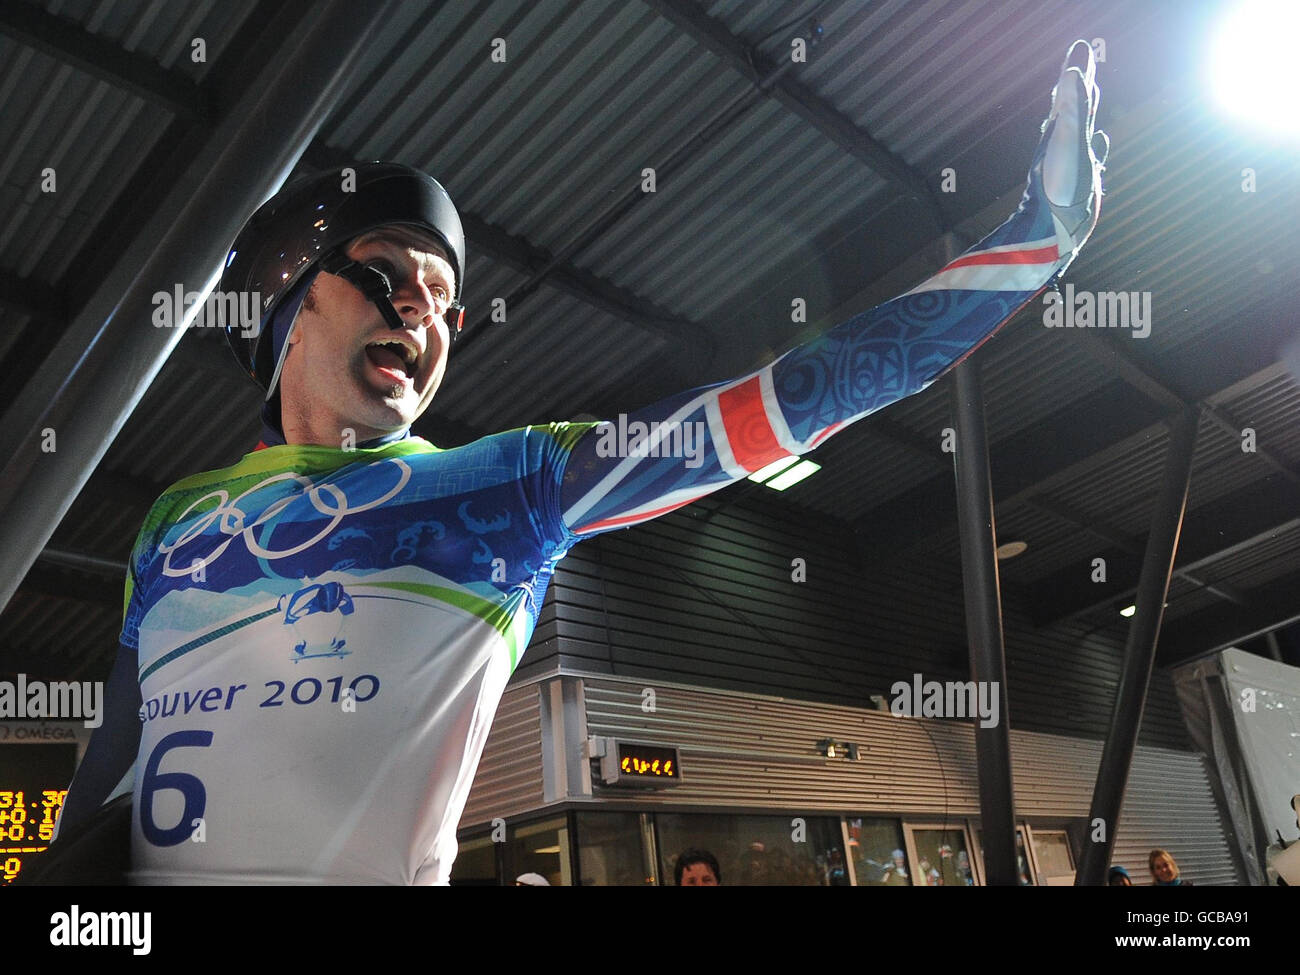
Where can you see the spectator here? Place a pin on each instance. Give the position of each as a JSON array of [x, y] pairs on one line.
[[697, 868], [531, 880], [895, 874], [755, 868], [1118, 877], [1165, 869]]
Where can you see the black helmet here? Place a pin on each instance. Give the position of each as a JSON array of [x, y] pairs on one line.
[[309, 222]]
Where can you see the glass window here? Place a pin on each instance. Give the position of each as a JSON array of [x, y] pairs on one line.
[[877, 847], [476, 864], [942, 858], [541, 848], [610, 849], [1052, 851], [804, 851]]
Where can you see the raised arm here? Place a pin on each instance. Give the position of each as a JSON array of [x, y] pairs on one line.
[[699, 441]]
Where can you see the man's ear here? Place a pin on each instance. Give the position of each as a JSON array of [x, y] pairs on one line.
[[299, 320], [308, 306]]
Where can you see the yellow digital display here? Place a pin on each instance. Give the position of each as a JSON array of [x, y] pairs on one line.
[[641, 766], [26, 826], [33, 780], [644, 762]]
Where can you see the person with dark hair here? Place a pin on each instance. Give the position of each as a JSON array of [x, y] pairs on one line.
[[697, 868]]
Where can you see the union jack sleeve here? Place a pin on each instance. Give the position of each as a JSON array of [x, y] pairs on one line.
[[682, 448]]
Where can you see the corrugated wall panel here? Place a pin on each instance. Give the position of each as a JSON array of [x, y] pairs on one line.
[[705, 596], [752, 752], [1189, 828], [509, 778]]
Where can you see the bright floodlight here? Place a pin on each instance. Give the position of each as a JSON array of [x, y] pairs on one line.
[[1251, 63], [773, 469], [794, 475]]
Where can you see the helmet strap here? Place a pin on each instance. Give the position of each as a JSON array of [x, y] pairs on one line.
[[282, 324], [374, 284]]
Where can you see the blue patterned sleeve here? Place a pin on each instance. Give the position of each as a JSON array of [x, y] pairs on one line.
[[682, 448]]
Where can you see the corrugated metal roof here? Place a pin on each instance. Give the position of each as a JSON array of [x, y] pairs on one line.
[[88, 132], [161, 31]]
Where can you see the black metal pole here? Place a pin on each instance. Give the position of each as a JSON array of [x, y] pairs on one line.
[[69, 411], [1139, 652], [979, 569]]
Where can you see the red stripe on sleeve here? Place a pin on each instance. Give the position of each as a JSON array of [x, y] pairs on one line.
[[1042, 255], [749, 432]]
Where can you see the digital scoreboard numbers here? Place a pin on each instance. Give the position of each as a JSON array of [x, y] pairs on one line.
[[643, 762], [638, 765], [33, 784]]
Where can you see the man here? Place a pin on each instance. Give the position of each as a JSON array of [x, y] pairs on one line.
[[697, 868], [316, 638]]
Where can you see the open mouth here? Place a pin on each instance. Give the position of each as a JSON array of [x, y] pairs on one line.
[[396, 360]]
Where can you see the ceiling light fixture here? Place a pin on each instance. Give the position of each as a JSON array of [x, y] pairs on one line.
[[1251, 60], [1009, 550]]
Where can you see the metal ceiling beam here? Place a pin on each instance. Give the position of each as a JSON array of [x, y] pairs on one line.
[[713, 35], [1211, 533], [1058, 450], [1272, 607], [1104, 350], [1221, 418], [885, 427], [515, 252], [1024, 464], [253, 45], [1124, 542], [1249, 542], [72, 44], [104, 362]]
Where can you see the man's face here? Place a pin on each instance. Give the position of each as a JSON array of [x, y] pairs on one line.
[[346, 368], [698, 875]]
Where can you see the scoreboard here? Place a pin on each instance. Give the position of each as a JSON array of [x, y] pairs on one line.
[[33, 782]]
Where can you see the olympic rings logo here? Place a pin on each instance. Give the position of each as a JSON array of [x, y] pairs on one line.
[[230, 518]]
